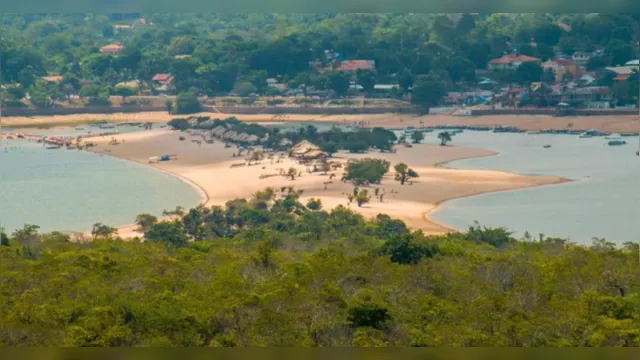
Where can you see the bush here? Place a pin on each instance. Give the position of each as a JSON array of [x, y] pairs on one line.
[[179, 124], [187, 103], [366, 171]]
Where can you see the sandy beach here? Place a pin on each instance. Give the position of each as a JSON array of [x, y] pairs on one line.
[[209, 168], [618, 124]]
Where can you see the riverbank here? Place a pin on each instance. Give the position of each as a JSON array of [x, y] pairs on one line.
[[209, 167], [606, 123]]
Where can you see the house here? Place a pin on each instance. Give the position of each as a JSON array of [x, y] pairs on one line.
[[303, 147], [180, 57], [53, 79], [599, 97], [510, 62], [635, 62], [581, 58], [619, 73], [111, 49], [162, 81], [562, 68], [355, 65], [272, 82]]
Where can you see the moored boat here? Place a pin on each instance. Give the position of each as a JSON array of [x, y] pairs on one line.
[[616, 142]]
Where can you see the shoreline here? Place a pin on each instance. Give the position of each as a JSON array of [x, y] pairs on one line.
[[603, 123], [413, 209]]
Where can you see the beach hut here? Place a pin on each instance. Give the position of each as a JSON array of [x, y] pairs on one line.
[[314, 155], [303, 147]]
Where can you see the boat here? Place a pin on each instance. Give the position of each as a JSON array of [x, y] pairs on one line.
[[617, 142], [547, 146], [79, 128], [534, 132], [629, 134], [52, 147], [107, 126], [613, 137]]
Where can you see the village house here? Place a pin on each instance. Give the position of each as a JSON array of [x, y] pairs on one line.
[[619, 73], [510, 62], [354, 65], [562, 69], [111, 49], [592, 97], [162, 82]]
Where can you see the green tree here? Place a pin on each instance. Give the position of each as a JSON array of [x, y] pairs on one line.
[[366, 79], [366, 171], [244, 88], [403, 172], [124, 92], [314, 204], [444, 138], [101, 230], [170, 234], [427, 92], [417, 136], [330, 148], [529, 72], [187, 103], [338, 82], [145, 221]]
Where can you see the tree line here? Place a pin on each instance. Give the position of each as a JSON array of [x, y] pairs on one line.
[[273, 270]]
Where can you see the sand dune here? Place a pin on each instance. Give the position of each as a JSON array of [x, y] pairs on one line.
[[208, 166]]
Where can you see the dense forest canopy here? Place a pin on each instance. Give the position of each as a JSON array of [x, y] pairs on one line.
[[272, 271], [223, 50]]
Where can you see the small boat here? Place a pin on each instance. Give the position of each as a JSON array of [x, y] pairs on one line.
[[52, 147], [629, 134], [547, 146], [613, 137], [534, 132], [617, 142]]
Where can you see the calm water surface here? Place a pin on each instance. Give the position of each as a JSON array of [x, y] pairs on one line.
[[70, 190], [603, 200]]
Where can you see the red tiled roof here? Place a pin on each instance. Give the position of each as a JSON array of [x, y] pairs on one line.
[[509, 59], [621, 77], [351, 65], [162, 77]]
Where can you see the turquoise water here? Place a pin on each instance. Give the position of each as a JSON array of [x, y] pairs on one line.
[[603, 200], [70, 190]]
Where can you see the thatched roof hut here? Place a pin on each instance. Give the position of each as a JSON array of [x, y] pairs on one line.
[[303, 147]]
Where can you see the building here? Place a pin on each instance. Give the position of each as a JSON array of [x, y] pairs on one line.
[[562, 68], [162, 82], [581, 58], [619, 73], [54, 79], [355, 65], [111, 49], [635, 62], [510, 62], [593, 97]]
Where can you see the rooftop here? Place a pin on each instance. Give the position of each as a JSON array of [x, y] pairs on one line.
[[351, 65], [510, 59]]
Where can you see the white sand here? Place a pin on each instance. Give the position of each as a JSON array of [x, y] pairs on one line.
[[208, 166]]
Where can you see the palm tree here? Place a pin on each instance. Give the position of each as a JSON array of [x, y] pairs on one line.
[[444, 137]]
